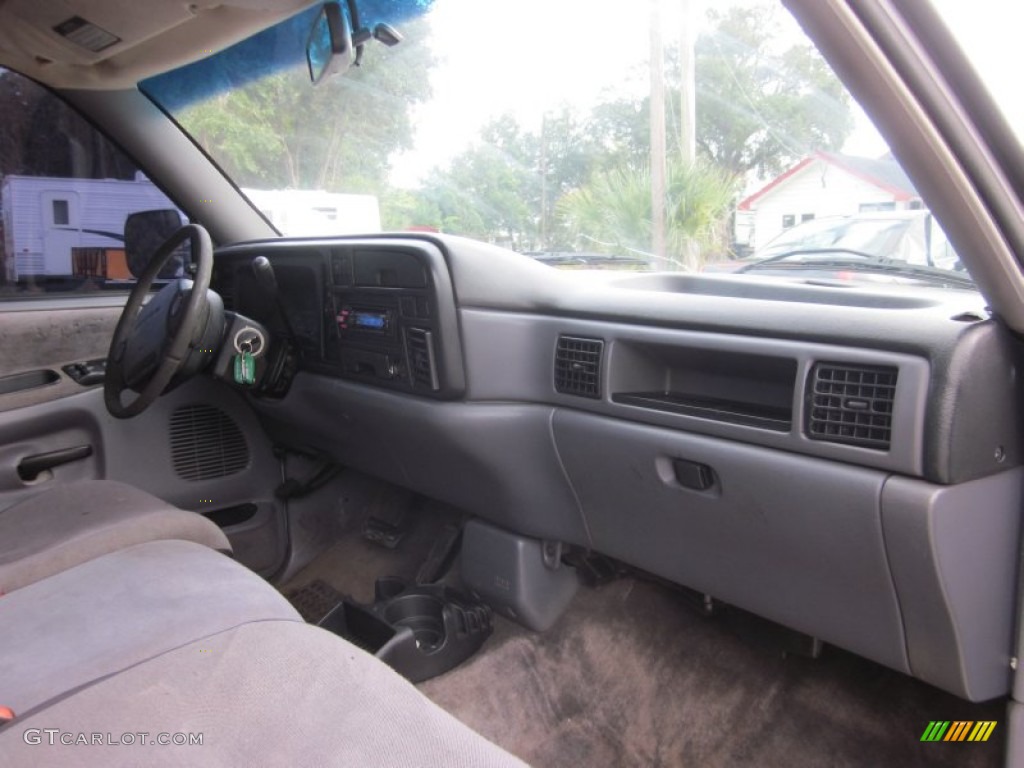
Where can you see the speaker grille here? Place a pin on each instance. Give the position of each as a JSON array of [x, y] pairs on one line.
[[206, 443], [851, 404]]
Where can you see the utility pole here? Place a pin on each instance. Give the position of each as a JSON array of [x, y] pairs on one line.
[[543, 182], [658, 162], [688, 90], [687, 110]]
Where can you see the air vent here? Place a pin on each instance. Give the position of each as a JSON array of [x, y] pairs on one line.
[[206, 443], [578, 366], [851, 404], [420, 349]]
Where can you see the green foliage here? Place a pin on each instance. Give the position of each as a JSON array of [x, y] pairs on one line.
[[613, 212], [760, 109], [281, 132], [761, 106], [505, 187]]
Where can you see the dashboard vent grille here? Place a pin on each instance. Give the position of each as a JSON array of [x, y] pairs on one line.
[[420, 349], [851, 404], [206, 443], [578, 366]]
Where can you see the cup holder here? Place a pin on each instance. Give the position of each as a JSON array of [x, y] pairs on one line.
[[423, 614], [420, 631]]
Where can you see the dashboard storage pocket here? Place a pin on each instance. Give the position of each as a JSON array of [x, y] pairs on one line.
[[420, 631]]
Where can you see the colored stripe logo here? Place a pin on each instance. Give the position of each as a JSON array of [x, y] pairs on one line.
[[958, 730]]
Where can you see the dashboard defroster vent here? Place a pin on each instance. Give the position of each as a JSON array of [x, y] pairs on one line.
[[578, 366], [851, 404], [420, 350], [206, 443]]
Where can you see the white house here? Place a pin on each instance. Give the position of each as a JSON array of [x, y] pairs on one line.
[[823, 184]]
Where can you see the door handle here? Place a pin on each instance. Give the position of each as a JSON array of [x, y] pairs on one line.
[[30, 467]]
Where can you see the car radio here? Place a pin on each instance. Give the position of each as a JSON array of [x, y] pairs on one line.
[[365, 319]]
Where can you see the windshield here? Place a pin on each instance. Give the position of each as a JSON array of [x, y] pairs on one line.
[[693, 136]]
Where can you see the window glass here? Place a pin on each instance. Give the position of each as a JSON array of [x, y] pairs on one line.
[[988, 31], [687, 137], [60, 213], [65, 192]]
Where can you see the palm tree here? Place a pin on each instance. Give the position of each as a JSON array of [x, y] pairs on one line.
[[612, 212]]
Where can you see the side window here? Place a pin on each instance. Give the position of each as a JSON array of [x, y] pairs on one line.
[[65, 192]]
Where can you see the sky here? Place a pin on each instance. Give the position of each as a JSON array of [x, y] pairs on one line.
[[534, 71]]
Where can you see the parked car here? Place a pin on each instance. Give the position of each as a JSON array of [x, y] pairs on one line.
[[881, 247], [482, 511]]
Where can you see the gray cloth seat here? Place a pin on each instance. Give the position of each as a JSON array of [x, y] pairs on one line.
[[76, 522], [170, 637], [270, 693], [121, 609]]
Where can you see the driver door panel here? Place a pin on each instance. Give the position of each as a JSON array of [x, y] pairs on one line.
[[200, 447]]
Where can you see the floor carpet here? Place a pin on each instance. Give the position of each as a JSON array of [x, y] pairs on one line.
[[631, 675]]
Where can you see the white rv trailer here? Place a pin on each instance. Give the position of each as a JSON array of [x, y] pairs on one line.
[[45, 217], [310, 212]]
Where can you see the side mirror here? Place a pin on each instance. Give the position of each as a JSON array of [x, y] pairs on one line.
[[329, 48], [144, 232]]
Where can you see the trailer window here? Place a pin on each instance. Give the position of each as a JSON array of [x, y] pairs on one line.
[[65, 192], [60, 213]]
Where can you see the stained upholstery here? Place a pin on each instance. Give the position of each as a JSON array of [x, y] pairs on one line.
[[76, 522]]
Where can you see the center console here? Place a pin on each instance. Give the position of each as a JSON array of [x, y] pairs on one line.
[[379, 312], [384, 326]]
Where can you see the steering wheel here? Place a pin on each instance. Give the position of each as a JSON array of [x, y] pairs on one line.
[[151, 346]]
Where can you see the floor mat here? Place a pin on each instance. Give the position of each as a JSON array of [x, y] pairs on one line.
[[314, 600], [352, 564], [629, 676]]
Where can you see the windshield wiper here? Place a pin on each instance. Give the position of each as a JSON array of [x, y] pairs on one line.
[[812, 252], [932, 275]]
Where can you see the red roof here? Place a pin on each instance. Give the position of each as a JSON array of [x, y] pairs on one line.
[[890, 178]]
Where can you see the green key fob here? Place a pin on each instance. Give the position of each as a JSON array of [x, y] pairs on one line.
[[245, 368]]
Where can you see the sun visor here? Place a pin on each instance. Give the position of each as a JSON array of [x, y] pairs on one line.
[[116, 43]]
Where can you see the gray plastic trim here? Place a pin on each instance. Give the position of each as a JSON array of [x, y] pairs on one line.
[[954, 557], [137, 451], [507, 571], [794, 539], [510, 356], [495, 460], [450, 356]]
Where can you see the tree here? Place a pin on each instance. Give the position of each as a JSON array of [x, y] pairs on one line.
[[505, 187], [281, 132], [41, 136], [612, 212], [759, 109]]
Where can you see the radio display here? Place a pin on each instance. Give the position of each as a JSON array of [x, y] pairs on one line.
[[370, 321]]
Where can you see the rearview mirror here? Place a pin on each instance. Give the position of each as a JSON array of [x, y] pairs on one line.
[[144, 232], [329, 49]]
